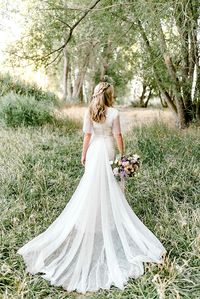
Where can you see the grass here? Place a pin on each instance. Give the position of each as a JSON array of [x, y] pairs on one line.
[[40, 169], [12, 84], [25, 111], [131, 117], [17, 110]]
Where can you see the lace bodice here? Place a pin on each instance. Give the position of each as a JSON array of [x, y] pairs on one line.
[[109, 127]]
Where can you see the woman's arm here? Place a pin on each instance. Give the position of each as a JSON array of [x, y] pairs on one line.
[[87, 129], [86, 141], [117, 133], [120, 143]]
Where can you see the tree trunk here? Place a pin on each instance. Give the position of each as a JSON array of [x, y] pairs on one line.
[[197, 112], [161, 88], [148, 98], [197, 94], [162, 101], [175, 82], [177, 94], [185, 29], [142, 97], [165, 95], [65, 73], [78, 86], [69, 85]]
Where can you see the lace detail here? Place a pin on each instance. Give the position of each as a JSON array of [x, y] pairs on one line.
[[109, 127]]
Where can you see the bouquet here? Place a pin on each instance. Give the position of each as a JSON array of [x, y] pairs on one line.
[[125, 166]]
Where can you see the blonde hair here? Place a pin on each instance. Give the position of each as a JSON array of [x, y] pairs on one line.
[[102, 97]]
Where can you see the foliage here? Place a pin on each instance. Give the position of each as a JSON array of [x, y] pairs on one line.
[[16, 110], [156, 41], [40, 169], [10, 84]]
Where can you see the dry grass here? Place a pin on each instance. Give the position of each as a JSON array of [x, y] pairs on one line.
[[129, 116]]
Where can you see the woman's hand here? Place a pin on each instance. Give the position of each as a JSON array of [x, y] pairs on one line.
[[83, 160], [86, 142]]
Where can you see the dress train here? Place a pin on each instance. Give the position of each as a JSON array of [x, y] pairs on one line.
[[97, 241]]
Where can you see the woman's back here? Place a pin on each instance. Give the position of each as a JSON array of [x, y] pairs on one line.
[[106, 129], [109, 127]]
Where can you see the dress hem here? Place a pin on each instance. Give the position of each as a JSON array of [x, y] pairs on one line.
[[141, 260]]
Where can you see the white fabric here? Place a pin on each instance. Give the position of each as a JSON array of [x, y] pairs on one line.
[[97, 241], [112, 123]]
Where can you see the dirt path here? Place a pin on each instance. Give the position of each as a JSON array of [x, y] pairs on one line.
[[129, 116]]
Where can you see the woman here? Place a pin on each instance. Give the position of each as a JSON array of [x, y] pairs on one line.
[[97, 241]]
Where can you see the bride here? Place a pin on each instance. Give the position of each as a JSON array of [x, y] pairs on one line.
[[97, 241]]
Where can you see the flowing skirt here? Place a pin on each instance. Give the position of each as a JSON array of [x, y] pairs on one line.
[[97, 241]]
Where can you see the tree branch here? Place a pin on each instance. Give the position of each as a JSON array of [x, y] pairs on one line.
[[64, 23], [70, 34], [74, 26]]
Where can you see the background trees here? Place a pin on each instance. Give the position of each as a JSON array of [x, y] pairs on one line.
[[156, 42]]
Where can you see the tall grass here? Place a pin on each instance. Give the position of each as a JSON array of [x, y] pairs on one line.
[[23, 104], [16, 110], [11, 84], [40, 169]]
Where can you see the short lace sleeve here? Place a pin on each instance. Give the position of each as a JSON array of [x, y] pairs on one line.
[[116, 123], [87, 123]]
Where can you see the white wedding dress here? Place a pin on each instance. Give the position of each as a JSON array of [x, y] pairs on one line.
[[97, 241]]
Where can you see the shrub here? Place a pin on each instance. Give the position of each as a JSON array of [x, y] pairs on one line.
[[17, 110], [8, 84]]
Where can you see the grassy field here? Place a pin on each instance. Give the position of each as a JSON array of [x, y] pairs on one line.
[[40, 169], [130, 117]]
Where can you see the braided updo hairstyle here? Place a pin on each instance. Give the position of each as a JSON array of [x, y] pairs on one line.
[[102, 97]]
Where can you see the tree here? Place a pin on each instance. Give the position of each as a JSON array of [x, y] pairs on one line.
[[169, 73], [154, 40]]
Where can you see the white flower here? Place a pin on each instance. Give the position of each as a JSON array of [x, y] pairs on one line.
[[111, 162], [115, 171], [136, 157]]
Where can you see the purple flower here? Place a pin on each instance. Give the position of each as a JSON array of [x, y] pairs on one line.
[[123, 173]]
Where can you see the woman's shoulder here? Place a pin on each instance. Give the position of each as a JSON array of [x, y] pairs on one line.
[[86, 112], [114, 111]]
